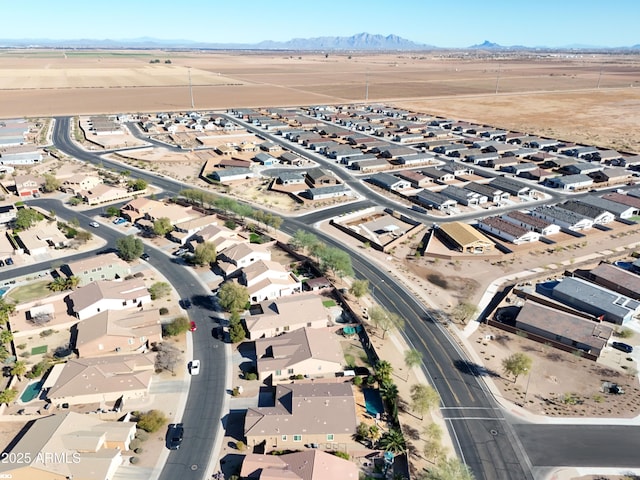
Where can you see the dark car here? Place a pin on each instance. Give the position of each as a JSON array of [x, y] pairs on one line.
[[185, 303], [1, 263], [174, 436], [623, 347], [144, 256], [9, 261]]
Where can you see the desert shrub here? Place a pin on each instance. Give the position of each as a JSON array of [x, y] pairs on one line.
[[134, 460], [151, 421], [46, 333], [138, 450], [141, 435], [240, 446], [133, 444], [357, 381], [164, 310], [22, 346], [251, 376], [340, 454]]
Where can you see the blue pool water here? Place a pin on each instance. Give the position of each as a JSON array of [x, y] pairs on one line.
[[373, 401], [30, 392], [3, 291]]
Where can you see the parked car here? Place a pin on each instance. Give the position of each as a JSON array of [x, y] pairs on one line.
[[623, 347], [175, 432], [9, 261], [120, 221], [194, 367], [1, 263]]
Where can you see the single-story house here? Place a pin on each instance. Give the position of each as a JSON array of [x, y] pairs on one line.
[[27, 185], [232, 174], [616, 279], [535, 224], [416, 179], [511, 186], [617, 209], [597, 215], [434, 200], [438, 175], [389, 182], [103, 193], [494, 195], [464, 238], [463, 196], [266, 159], [508, 231], [316, 177], [101, 379], [571, 182], [562, 217], [303, 414], [331, 191], [312, 352], [308, 465]]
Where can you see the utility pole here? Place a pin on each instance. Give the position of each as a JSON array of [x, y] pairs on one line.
[[366, 87], [498, 79], [190, 88], [599, 78]]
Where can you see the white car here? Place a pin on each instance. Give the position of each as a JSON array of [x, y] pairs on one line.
[[194, 367], [94, 224]]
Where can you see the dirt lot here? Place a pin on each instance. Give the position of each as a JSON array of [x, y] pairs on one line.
[[588, 99]]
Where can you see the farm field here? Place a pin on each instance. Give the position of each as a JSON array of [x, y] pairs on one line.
[[581, 97]]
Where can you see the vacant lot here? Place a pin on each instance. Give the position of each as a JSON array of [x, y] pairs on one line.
[[589, 99]]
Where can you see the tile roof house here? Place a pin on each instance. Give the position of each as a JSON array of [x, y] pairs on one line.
[[138, 208], [80, 182], [115, 332], [303, 414], [27, 185], [104, 193], [623, 199], [563, 327], [100, 380], [40, 237], [104, 295], [535, 224], [312, 352], [306, 465], [266, 280], [273, 317], [69, 445], [108, 266], [241, 255], [508, 231], [221, 236], [316, 177]]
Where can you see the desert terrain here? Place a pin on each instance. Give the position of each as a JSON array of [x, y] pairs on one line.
[[579, 97]]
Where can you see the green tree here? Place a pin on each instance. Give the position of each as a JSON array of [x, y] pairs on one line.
[[6, 309], [177, 326], [72, 282], [159, 290], [205, 253], [73, 201], [362, 432], [6, 336], [385, 320], [83, 236], [51, 183], [151, 421], [412, 358], [26, 218], [448, 469], [464, 311], [162, 226], [516, 365], [389, 393], [129, 247], [302, 239], [137, 185], [59, 284], [383, 370], [19, 369], [233, 297], [112, 211], [393, 441], [336, 260], [424, 398], [236, 330], [374, 434], [7, 396], [359, 288]]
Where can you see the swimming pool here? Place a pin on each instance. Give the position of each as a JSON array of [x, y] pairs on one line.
[[31, 391], [373, 402], [3, 291]]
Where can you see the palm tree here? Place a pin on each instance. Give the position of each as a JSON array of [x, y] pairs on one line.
[[6, 336], [383, 371], [58, 285], [19, 369], [374, 434], [393, 441], [362, 432], [72, 282], [390, 395]]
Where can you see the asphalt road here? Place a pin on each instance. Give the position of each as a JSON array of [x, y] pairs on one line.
[[484, 437]]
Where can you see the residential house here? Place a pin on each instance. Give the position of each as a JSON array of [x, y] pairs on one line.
[[626, 200], [104, 193], [79, 183], [464, 238], [389, 182], [616, 279], [456, 169], [494, 195], [290, 178], [241, 255], [7, 213], [508, 231], [562, 217], [221, 236], [115, 332], [571, 182], [612, 175], [535, 224], [185, 229], [463, 196], [331, 191], [266, 159], [266, 280], [226, 150], [20, 155], [100, 380], [598, 301], [40, 237], [305, 465], [312, 352], [27, 185], [270, 147], [291, 158], [597, 215], [416, 179], [69, 445], [438, 175], [108, 266], [371, 165], [511, 186], [232, 174], [415, 159], [317, 177], [563, 327], [271, 318], [434, 200], [617, 209], [104, 295], [139, 208], [521, 168], [303, 414]]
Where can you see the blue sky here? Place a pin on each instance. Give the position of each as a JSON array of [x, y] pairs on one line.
[[442, 23]]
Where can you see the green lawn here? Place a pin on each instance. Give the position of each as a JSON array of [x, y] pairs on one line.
[[39, 350], [27, 293], [329, 303]]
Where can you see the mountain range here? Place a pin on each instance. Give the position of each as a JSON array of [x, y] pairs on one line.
[[358, 42]]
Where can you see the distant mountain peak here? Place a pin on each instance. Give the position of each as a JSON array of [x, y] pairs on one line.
[[359, 41], [486, 44]]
